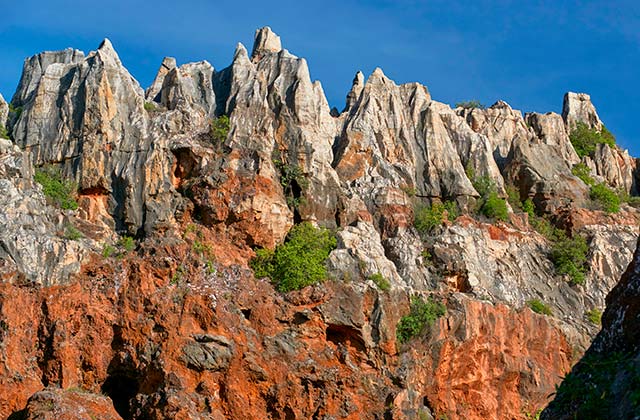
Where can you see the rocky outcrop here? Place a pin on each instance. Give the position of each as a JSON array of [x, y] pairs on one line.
[[153, 92], [76, 404], [615, 167], [180, 328], [4, 112], [32, 243], [577, 107], [604, 383], [501, 124], [540, 172]]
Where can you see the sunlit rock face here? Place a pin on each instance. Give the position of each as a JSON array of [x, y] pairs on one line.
[[151, 309]]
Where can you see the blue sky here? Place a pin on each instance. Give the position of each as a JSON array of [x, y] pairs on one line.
[[527, 53]]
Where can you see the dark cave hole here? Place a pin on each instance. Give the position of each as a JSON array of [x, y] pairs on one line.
[[342, 334], [121, 388]]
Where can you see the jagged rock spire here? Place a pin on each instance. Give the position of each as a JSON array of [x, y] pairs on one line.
[[153, 92], [265, 41], [577, 107]]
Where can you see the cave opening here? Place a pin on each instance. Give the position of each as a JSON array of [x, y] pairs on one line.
[[121, 388]]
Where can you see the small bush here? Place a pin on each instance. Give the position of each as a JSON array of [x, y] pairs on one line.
[[585, 139], [452, 210], [128, 243], [410, 191], [495, 207], [382, 283], [423, 313], [300, 261], [594, 316], [539, 307], [605, 197], [529, 208], [569, 256], [474, 103], [4, 134], [108, 251], [513, 197], [490, 204], [58, 191], [72, 233], [16, 111], [150, 107], [219, 129], [292, 180], [426, 218], [583, 172]]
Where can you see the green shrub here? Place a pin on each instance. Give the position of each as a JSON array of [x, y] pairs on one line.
[[4, 134], [72, 233], [583, 172], [594, 316], [128, 243], [422, 314], [292, 180], [490, 203], [108, 251], [58, 191], [495, 207], [452, 210], [382, 283], [150, 107], [300, 261], [585, 139], [529, 208], [426, 218], [474, 103], [605, 197], [219, 129], [16, 111], [539, 307], [513, 197], [569, 256]]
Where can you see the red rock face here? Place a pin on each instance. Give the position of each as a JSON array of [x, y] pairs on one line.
[[164, 339]]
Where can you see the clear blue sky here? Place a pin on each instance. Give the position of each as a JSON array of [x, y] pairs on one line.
[[527, 53]]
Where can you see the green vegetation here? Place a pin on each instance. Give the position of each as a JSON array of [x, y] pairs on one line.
[[410, 191], [59, 192], [490, 203], [127, 243], [150, 107], [569, 256], [293, 182], [300, 261], [382, 283], [474, 103], [16, 111], [219, 129], [605, 197], [594, 316], [529, 208], [423, 314], [583, 172], [539, 307], [72, 233], [428, 217], [585, 139], [4, 134], [108, 251]]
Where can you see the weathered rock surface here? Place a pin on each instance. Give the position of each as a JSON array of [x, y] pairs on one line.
[[4, 112], [577, 107], [56, 404], [32, 246], [179, 328], [153, 91]]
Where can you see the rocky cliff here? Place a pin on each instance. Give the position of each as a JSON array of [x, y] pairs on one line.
[[142, 291]]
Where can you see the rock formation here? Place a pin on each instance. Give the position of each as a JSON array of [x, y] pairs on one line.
[[154, 304]]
